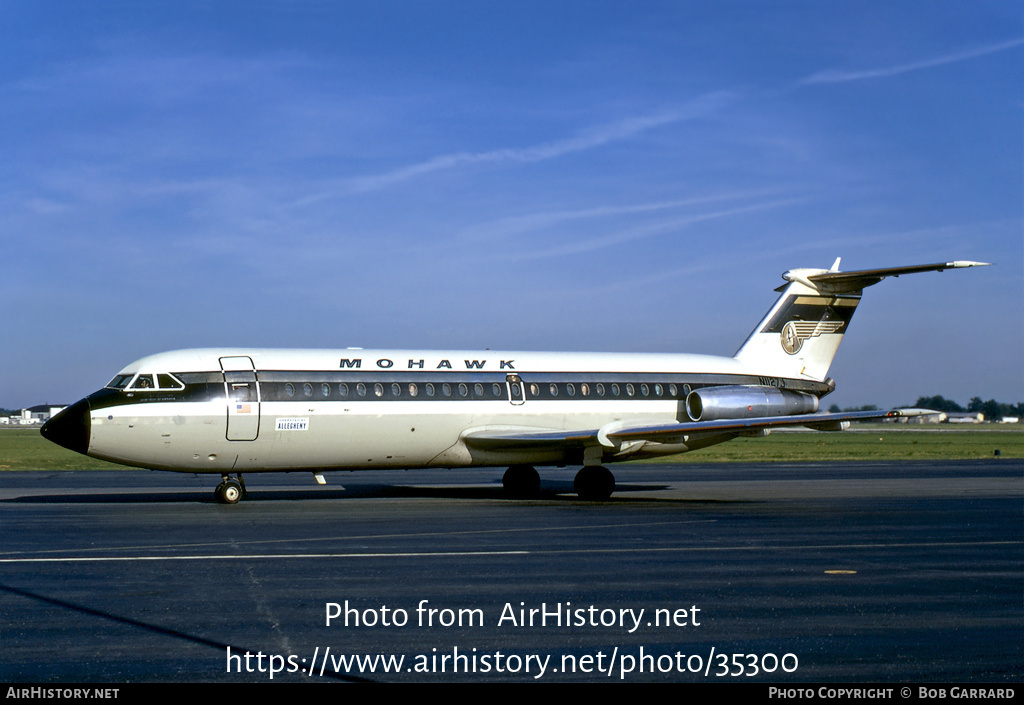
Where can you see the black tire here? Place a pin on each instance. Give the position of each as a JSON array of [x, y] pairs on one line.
[[596, 483], [521, 481]]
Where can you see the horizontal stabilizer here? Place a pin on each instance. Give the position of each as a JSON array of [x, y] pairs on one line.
[[848, 282]]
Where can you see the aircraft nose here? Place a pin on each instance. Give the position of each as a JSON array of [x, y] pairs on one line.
[[70, 428]]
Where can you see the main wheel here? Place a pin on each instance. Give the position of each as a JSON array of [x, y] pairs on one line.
[[594, 482], [521, 481]]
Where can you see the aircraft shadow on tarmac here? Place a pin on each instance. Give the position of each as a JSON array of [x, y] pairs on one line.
[[549, 492]]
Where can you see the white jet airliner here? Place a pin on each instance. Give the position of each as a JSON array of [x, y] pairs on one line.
[[254, 410]]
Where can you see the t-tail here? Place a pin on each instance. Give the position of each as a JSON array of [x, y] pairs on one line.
[[800, 335]]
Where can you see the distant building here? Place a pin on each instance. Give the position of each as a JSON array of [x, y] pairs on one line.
[[32, 416]]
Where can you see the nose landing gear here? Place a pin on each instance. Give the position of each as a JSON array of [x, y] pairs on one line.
[[229, 491]]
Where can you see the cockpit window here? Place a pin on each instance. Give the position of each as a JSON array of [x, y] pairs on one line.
[[144, 382], [120, 382], [162, 381], [169, 382]]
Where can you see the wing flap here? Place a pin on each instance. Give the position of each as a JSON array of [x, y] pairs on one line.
[[509, 438]]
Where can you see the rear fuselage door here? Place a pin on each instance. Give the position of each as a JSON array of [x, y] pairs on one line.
[[243, 398]]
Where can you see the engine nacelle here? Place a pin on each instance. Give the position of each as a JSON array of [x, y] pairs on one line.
[[743, 402]]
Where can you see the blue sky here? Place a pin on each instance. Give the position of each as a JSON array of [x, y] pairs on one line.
[[620, 176]]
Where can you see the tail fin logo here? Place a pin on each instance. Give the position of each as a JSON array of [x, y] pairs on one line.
[[794, 333]]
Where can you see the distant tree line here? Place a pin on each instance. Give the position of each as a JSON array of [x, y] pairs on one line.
[[834, 409], [991, 408]]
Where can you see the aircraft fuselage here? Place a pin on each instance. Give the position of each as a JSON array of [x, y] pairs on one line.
[[217, 411]]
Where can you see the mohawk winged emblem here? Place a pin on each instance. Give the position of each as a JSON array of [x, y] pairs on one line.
[[794, 333]]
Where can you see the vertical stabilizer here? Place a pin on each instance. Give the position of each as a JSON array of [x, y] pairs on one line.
[[800, 335]]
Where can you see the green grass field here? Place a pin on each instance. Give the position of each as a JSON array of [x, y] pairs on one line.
[[867, 442], [25, 449]]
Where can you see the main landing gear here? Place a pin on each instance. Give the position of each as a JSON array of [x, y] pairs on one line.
[[593, 482], [521, 481], [229, 491]]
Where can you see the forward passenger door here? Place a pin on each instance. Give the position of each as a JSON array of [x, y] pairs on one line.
[[242, 388]]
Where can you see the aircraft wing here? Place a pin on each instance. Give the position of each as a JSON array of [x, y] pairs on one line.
[[613, 435]]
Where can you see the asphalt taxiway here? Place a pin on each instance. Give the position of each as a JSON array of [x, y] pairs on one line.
[[838, 572]]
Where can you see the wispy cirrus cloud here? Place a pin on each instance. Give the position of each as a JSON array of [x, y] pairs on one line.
[[589, 139], [507, 227], [839, 76], [647, 230]]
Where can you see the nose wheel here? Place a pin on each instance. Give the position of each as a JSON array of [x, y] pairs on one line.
[[229, 491]]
